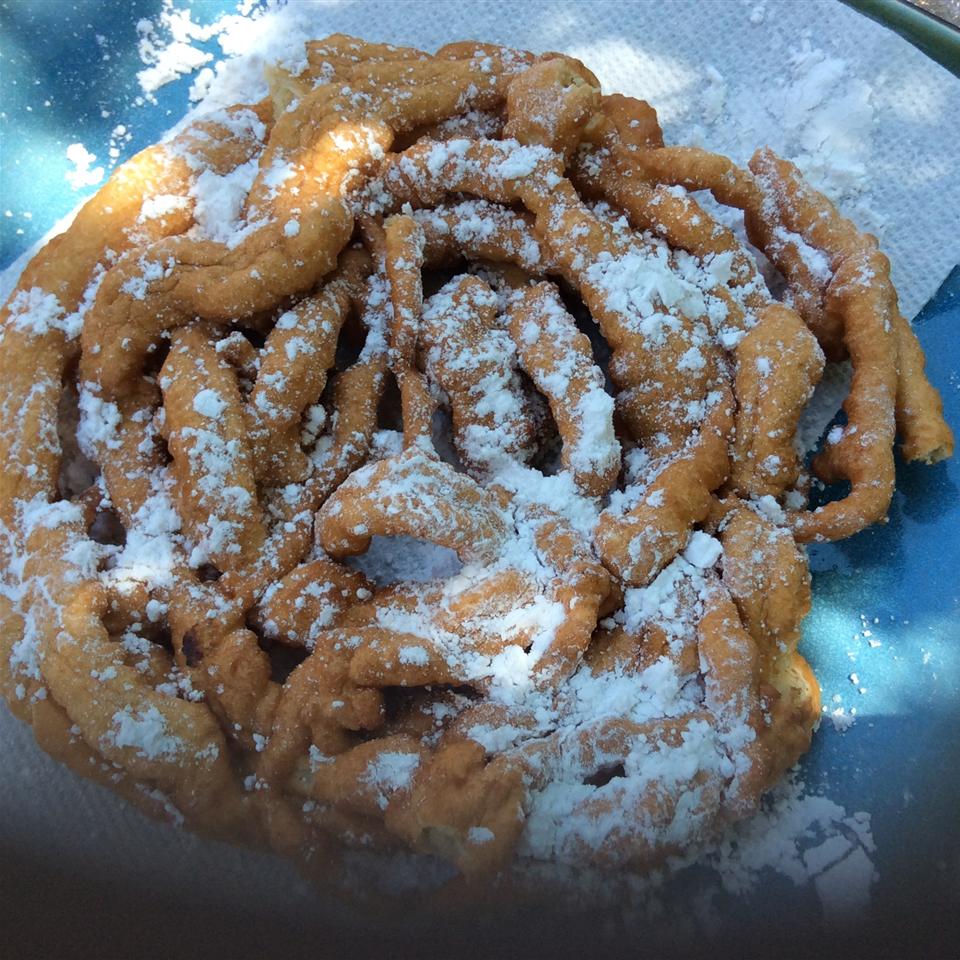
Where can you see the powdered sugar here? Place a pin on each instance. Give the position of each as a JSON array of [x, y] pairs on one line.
[[209, 403], [150, 552], [37, 312], [83, 174], [531, 485], [639, 284], [161, 205], [803, 837], [145, 731], [138, 285], [99, 421], [219, 201], [390, 772], [702, 550]]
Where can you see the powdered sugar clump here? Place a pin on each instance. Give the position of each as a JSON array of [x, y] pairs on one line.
[[83, 174], [219, 201], [145, 731], [804, 837], [390, 772], [209, 403]]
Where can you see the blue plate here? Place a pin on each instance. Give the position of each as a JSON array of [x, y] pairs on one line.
[[886, 612], [884, 634]]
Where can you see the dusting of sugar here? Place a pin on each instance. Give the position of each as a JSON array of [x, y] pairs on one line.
[[145, 731], [219, 201], [219, 204], [389, 772], [83, 174]]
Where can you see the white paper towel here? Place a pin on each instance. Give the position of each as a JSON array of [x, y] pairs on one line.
[[867, 115]]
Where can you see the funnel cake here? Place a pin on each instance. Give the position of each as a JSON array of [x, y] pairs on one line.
[[469, 302]]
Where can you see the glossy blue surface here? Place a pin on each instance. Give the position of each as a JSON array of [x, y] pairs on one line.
[[68, 75], [901, 582], [886, 602]]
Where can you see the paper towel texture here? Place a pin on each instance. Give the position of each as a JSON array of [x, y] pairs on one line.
[[867, 116]]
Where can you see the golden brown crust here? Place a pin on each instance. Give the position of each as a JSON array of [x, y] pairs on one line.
[[188, 618]]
